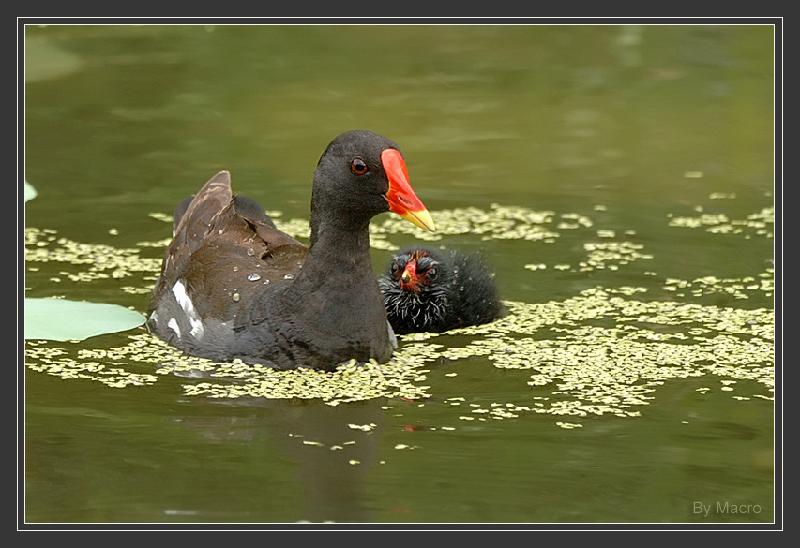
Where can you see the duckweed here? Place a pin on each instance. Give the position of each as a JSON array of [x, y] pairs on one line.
[[572, 366], [99, 260], [738, 288], [102, 261], [577, 370], [496, 223], [568, 425], [363, 427], [760, 223], [163, 217], [610, 255]]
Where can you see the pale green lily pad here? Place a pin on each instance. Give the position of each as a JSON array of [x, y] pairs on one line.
[[30, 192], [62, 320]]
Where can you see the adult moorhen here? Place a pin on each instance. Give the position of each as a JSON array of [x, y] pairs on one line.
[[234, 286], [426, 290]]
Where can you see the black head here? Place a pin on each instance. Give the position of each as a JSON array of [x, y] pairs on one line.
[[416, 289], [420, 271], [360, 175]]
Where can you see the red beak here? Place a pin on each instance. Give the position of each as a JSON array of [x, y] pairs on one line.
[[400, 196]]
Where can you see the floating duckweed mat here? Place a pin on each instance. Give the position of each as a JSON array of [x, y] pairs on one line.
[[350, 382], [576, 367], [601, 352], [738, 288], [761, 223], [610, 370], [601, 256], [89, 262], [496, 223], [45, 358], [97, 260], [101, 261]]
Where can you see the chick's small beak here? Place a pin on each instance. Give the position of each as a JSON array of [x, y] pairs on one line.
[[408, 277], [400, 196]]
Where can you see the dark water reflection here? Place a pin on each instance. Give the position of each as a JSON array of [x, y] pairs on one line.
[[626, 125], [331, 488]]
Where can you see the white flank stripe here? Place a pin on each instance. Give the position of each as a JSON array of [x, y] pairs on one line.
[[179, 290], [172, 324], [197, 329]]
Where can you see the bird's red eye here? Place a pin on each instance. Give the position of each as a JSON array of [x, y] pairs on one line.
[[359, 166]]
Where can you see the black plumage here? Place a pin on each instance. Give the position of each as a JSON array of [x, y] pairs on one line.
[[427, 290], [234, 286]]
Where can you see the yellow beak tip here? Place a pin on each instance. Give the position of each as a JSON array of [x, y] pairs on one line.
[[420, 218]]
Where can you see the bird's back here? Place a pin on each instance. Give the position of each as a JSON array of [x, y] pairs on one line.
[[224, 255]]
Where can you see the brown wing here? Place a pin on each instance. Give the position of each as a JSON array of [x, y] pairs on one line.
[[225, 255], [239, 260], [193, 226]]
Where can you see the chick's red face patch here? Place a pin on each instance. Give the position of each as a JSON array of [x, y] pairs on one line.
[[415, 270]]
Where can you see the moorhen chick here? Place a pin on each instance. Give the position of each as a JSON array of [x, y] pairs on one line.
[[431, 291], [234, 286]]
